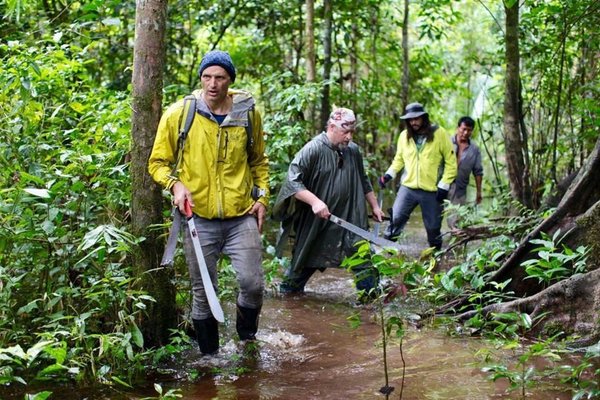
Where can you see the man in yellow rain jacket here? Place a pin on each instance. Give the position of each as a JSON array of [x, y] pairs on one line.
[[423, 150], [217, 175]]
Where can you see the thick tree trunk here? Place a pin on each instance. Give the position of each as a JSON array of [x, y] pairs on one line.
[[373, 146], [559, 94], [517, 173], [575, 214], [147, 201], [355, 39], [310, 41]]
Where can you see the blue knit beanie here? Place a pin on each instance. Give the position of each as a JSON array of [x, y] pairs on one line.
[[220, 58]]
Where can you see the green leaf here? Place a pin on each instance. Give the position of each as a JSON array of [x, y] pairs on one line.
[[37, 348], [38, 396], [51, 370], [136, 335], [121, 382], [56, 111], [158, 388], [58, 353], [78, 107], [48, 227], [43, 193], [111, 21], [28, 308], [15, 351], [91, 238], [129, 351]]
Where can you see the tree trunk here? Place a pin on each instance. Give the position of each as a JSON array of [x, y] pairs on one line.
[[558, 110], [311, 74], [147, 201], [517, 173], [405, 60], [575, 214], [325, 107], [310, 41], [578, 218], [372, 115], [354, 51]]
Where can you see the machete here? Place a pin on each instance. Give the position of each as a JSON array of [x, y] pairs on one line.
[[370, 237], [169, 253], [380, 203], [211, 296]]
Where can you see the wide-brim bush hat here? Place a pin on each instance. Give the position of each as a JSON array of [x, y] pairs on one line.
[[414, 110]]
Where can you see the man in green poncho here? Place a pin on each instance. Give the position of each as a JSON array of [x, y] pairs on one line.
[[326, 176]]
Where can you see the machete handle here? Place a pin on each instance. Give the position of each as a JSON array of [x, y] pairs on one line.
[[187, 208]]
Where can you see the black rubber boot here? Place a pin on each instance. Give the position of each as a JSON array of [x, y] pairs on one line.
[[246, 322], [207, 334]]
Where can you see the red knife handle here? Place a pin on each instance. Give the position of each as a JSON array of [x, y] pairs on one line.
[[187, 208]]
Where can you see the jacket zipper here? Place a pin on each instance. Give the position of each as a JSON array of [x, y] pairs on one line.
[[418, 165], [219, 191]]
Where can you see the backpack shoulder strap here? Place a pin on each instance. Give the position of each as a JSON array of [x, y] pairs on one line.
[[189, 109], [249, 133]]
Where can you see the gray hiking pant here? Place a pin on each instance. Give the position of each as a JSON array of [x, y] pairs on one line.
[[240, 240]]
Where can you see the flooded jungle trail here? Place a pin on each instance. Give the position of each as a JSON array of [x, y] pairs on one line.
[[308, 350]]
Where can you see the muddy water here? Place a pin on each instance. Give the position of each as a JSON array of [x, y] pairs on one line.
[[308, 350]]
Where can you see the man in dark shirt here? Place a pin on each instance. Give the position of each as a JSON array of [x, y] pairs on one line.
[[469, 162]]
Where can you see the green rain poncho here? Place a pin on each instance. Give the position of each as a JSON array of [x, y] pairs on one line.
[[339, 180]]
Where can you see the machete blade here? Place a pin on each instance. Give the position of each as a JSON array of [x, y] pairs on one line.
[[380, 203], [211, 295], [169, 254], [365, 234]]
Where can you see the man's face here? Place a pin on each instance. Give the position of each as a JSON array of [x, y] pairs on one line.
[[342, 136], [215, 83], [416, 123], [463, 133]]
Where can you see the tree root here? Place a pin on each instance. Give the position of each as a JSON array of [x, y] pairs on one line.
[[573, 305]]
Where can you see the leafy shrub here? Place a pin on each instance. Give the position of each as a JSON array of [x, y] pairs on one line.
[[67, 287], [554, 263]]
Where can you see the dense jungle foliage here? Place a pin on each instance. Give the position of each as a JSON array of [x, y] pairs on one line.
[[70, 304]]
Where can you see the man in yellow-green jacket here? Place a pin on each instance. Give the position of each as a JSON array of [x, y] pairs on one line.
[[223, 174], [423, 151]]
